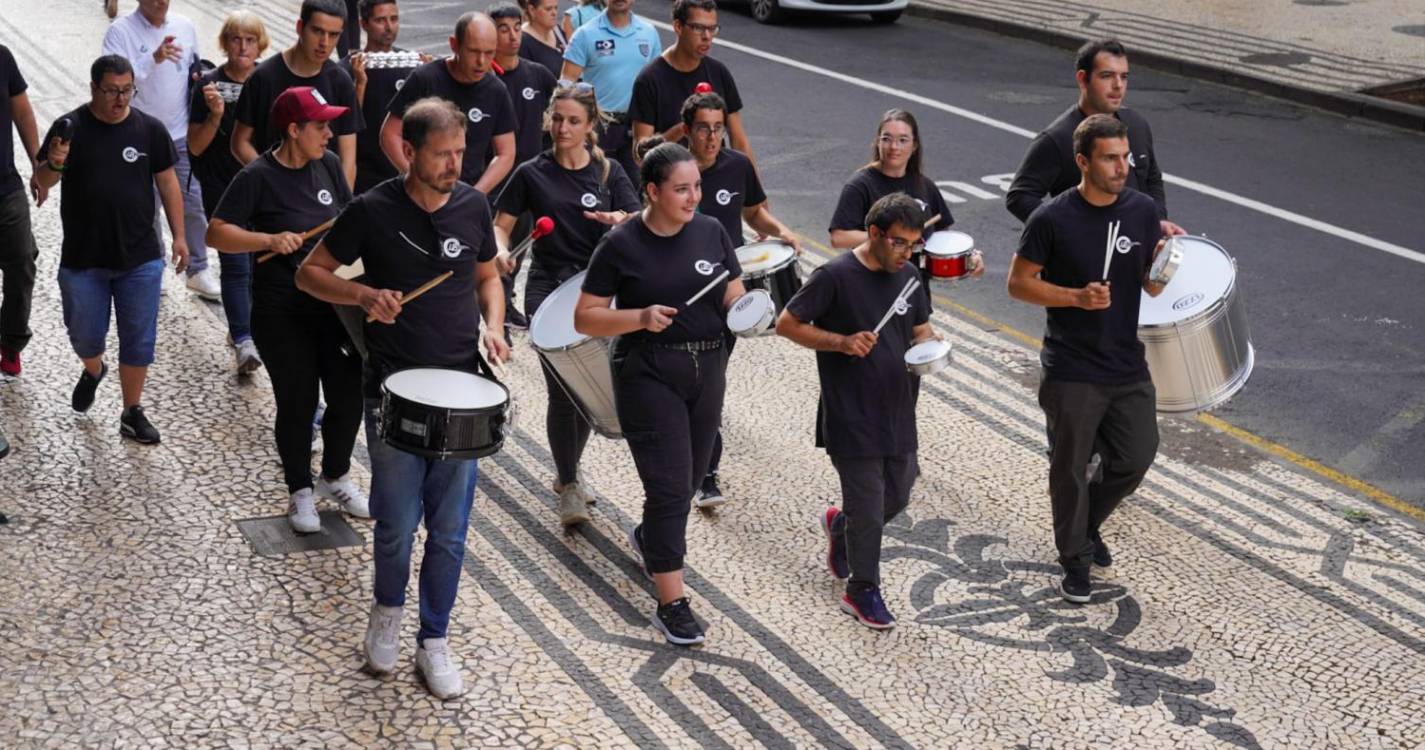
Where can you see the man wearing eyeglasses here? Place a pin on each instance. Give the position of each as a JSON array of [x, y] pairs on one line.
[[608, 52], [110, 156], [664, 84], [162, 47]]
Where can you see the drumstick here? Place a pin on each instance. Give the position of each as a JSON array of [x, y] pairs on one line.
[[418, 291], [544, 226], [910, 287], [1108, 251], [932, 221], [708, 288], [307, 235]]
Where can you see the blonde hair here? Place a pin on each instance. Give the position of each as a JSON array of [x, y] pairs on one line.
[[584, 95], [244, 22]]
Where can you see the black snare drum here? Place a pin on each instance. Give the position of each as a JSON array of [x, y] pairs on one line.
[[442, 413]]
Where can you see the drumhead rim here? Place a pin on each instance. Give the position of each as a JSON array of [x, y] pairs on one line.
[[387, 391], [1212, 310]]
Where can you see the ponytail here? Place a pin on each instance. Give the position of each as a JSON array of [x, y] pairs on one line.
[[648, 144], [599, 157]]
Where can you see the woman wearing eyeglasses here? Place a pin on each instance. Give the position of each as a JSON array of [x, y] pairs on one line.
[[894, 168], [584, 192], [673, 274]]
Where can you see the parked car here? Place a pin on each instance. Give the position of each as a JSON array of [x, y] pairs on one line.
[[777, 11]]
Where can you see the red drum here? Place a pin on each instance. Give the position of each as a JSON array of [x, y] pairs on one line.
[[948, 253]]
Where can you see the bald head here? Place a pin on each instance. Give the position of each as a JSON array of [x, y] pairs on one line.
[[473, 46], [473, 25]]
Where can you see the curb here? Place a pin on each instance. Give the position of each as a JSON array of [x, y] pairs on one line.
[[1346, 103]]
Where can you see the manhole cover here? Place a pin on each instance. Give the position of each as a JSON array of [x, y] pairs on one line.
[[272, 536], [1282, 59], [1406, 92]]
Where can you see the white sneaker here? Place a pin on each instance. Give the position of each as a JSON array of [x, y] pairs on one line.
[[205, 284], [573, 507], [439, 669], [248, 360], [302, 512], [382, 644], [345, 494]]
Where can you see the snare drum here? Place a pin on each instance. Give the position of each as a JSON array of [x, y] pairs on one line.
[[751, 314], [1195, 333], [948, 254], [579, 363], [442, 413], [1167, 262], [928, 357], [772, 266]]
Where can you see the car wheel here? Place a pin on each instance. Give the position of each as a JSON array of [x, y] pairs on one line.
[[768, 11], [885, 16]]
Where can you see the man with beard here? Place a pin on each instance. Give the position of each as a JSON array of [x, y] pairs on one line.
[[374, 89]]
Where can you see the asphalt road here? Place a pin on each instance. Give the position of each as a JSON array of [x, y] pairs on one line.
[[1337, 325]]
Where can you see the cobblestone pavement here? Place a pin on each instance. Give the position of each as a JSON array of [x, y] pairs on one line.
[[1249, 605]]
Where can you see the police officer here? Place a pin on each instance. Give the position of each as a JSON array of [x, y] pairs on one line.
[[583, 192], [1048, 168], [669, 363], [608, 52]]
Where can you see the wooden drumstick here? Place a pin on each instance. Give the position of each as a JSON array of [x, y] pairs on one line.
[[307, 235], [932, 221], [418, 291]]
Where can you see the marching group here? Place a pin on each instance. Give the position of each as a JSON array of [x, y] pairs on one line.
[[295, 166]]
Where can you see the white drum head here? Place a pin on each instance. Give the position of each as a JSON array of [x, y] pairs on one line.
[[553, 323], [949, 242], [1204, 278], [926, 352], [749, 310], [760, 257], [446, 389]]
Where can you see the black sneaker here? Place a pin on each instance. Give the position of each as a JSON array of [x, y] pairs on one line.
[[515, 319], [709, 496], [679, 626], [1076, 587], [1101, 556], [635, 540], [136, 427], [83, 396]]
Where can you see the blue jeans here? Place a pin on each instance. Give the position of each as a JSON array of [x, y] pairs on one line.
[[195, 222], [86, 295], [236, 279], [404, 489]]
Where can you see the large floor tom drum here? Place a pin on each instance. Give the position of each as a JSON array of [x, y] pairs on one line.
[[580, 363]]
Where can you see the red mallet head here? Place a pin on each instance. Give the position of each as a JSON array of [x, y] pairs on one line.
[[544, 226], [703, 88]]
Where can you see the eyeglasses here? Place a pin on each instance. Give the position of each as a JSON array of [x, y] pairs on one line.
[[704, 130], [901, 141], [127, 92], [901, 246], [702, 29]]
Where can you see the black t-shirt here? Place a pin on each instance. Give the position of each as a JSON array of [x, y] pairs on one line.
[[11, 84], [639, 268], [272, 77], [867, 404], [549, 58], [486, 102], [1070, 238], [402, 247], [543, 188], [869, 185], [107, 203], [216, 166], [372, 166], [729, 186], [530, 85], [269, 197], [660, 90]]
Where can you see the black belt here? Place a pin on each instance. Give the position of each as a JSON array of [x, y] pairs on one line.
[[691, 346]]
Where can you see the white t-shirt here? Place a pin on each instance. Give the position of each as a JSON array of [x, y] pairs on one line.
[[163, 88]]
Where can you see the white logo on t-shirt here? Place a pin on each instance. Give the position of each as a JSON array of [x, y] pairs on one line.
[[1131, 163], [324, 197], [724, 197], [528, 93], [589, 200], [131, 154], [400, 83], [902, 306], [451, 247], [476, 115], [1118, 242], [703, 267]]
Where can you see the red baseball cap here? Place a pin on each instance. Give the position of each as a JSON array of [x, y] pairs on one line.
[[301, 104]]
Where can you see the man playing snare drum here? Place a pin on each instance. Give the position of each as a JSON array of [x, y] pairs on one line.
[[1085, 255]]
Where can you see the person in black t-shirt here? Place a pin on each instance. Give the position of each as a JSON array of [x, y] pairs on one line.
[[673, 274], [583, 192], [464, 80], [894, 168], [305, 63], [866, 415], [1085, 255], [406, 232], [18, 251], [375, 88], [267, 208], [111, 157], [543, 40], [1048, 168], [212, 112], [664, 84]]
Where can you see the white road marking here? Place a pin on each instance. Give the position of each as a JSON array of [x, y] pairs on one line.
[[1183, 182]]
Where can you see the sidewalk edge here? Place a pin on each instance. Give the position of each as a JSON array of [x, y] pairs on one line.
[[1346, 103]]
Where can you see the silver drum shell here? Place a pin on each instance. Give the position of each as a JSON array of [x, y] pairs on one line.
[[588, 377], [1200, 362]]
